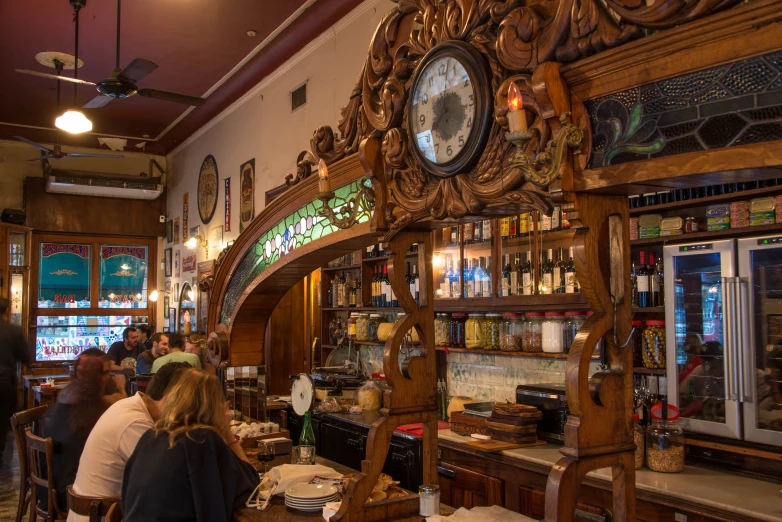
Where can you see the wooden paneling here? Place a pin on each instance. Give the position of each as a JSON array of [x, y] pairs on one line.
[[92, 215], [461, 487]]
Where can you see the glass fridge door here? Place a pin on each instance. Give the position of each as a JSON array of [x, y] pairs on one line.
[[698, 327], [760, 269]]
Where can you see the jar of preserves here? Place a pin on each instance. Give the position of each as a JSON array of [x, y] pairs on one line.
[[511, 330], [639, 437], [457, 327], [573, 322], [375, 320], [491, 332], [352, 326], [653, 345], [441, 328], [553, 332], [473, 331], [362, 327], [665, 440], [532, 340]]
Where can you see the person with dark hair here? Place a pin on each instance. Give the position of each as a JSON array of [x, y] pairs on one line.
[[123, 354], [13, 350], [115, 436], [159, 349], [176, 346], [145, 336], [69, 422]]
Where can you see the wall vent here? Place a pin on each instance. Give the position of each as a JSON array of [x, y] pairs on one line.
[[298, 97]]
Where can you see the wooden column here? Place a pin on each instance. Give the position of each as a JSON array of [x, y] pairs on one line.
[[599, 430]]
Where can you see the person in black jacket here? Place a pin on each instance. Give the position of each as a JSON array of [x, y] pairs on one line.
[[13, 349], [192, 451]]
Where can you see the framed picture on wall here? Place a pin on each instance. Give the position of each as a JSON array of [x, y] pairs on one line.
[[207, 189], [176, 264], [172, 320], [169, 231], [166, 330], [168, 287], [175, 231], [176, 292], [166, 305], [167, 262]]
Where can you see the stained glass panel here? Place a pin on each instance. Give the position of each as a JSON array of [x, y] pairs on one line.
[[297, 229]]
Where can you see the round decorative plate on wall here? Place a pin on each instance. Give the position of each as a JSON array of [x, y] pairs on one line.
[[207, 189], [449, 109]]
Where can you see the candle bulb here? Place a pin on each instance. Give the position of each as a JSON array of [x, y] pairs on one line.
[[323, 177], [517, 117]]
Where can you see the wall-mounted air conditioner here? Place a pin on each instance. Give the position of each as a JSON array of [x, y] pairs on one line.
[[103, 185]]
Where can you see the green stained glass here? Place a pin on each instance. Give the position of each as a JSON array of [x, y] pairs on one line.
[[295, 230]]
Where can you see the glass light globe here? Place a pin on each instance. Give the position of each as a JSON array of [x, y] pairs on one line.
[[73, 121]]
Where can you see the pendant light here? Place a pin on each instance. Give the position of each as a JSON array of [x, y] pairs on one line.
[[73, 120]]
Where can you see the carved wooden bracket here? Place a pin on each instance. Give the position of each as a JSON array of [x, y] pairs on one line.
[[218, 349]]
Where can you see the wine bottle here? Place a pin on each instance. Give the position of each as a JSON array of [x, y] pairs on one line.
[[416, 285], [505, 228], [527, 276], [506, 270], [571, 285], [547, 281], [409, 280], [455, 290], [642, 282], [654, 281], [485, 264], [454, 235], [524, 224], [513, 226], [556, 219], [469, 281], [486, 229], [385, 290], [633, 285], [477, 232], [515, 275], [468, 233], [307, 438], [660, 275], [558, 285]]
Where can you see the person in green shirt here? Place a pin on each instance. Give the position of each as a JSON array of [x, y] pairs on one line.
[[176, 346]]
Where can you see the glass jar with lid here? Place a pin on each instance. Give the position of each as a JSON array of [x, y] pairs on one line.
[[511, 330], [553, 332], [639, 437], [653, 344], [473, 331], [456, 330], [491, 332], [665, 440], [441, 329], [532, 340], [362, 327], [352, 325], [375, 320], [573, 322]]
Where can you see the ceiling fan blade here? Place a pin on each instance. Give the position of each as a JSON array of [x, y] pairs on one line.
[[54, 77], [97, 102], [137, 70], [171, 96], [36, 145], [80, 155]]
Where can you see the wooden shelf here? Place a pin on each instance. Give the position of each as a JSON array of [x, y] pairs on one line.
[[708, 236], [479, 351], [690, 203], [649, 310], [338, 268], [378, 343], [363, 309], [649, 371], [523, 303], [372, 260]]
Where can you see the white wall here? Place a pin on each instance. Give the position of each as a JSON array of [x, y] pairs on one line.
[[261, 125]]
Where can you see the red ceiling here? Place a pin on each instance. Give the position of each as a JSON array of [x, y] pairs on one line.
[[195, 43]]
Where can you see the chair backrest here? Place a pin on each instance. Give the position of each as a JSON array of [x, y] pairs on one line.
[[93, 507], [20, 421], [115, 513], [40, 463]]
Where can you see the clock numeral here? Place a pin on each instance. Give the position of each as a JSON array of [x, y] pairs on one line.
[[428, 139], [469, 122], [431, 81], [424, 99], [442, 69], [472, 99], [437, 148], [467, 81], [461, 141], [449, 150], [422, 120]]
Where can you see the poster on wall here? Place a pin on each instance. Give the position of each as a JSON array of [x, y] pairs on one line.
[[184, 217], [176, 231], [205, 271], [167, 263], [189, 264], [64, 276], [216, 237], [176, 292], [207, 189], [169, 231], [176, 264], [227, 205], [168, 287], [247, 196], [166, 305]]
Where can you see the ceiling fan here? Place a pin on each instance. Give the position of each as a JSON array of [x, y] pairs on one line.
[[122, 82]]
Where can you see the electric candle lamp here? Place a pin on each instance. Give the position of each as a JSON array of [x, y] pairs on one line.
[[517, 117], [323, 177]]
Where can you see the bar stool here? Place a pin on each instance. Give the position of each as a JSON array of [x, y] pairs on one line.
[[39, 450], [93, 507], [20, 421]]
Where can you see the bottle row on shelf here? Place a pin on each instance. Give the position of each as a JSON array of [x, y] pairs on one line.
[[648, 281], [649, 199], [344, 292]]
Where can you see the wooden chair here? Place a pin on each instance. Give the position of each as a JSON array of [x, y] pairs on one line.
[[93, 507], [20, 421], [40, 454], [115, 513]]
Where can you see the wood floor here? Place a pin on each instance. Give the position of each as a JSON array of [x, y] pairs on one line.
[[9, 481]]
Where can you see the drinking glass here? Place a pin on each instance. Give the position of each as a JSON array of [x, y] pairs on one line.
[[265, 454]]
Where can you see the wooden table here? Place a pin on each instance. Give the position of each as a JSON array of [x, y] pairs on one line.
[[46, 395], [279, 513], [34, 380]]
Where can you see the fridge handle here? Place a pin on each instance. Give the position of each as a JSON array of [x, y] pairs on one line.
[[743, 338], [729, 319]]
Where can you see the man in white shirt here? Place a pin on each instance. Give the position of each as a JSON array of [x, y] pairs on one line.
[[114, 437]]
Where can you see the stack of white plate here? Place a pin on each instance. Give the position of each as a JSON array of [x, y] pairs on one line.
[[310, 497]]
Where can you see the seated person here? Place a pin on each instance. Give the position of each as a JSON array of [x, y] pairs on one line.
[[69, 422], [159, 349], [176, 346], [123, 354], [114, 437], [145, 336], [196, 344], [200, 470]]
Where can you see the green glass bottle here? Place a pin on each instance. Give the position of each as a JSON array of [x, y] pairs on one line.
[[307, 437]]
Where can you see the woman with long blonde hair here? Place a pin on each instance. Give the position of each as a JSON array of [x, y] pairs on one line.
[[189, 466]]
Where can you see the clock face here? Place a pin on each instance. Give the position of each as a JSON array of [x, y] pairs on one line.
[[443, 111]]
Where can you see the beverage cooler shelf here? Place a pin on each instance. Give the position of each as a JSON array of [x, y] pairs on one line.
[[709, 235]]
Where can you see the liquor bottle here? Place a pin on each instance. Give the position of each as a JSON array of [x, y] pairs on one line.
[[659, 274], [485, 267], [547, 281], [524, 224], [416, 289], [441, 289], [352, 299], [633, 285], [477, 232], [469, 279], [513, 226], [370, 251], [559, 272], [330, 297], [506, 270], [505, 228], [307, 438], [545, 223], [487, 229], [565, 222], [468, 238], [359, 296], [515, 276], [571, 284], [453, 278], [346, 292], [642, 282], [654, 281], [454, 235], [556, 219], [527, 276]]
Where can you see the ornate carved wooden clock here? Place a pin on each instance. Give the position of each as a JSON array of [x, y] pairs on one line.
[[449, 109]]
